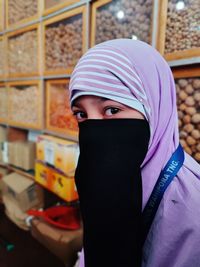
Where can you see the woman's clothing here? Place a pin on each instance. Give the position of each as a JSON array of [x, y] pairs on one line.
[[112, 219], [137, 71]]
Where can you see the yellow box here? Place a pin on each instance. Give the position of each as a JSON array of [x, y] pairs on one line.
[[59, 153], [64, 187], [66, 158], [42, 175], [59, 184]]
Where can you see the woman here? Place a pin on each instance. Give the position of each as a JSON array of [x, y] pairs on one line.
[[137, 187]]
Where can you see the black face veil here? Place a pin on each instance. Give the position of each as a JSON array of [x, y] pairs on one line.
[[108, 179]]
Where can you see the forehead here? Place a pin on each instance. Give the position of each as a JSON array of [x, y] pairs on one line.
[[89, 99]]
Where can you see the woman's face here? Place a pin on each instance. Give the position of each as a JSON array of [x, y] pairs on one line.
[[94, 107]]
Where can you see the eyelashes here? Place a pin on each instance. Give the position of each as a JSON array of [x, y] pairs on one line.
[[106, 112], [109, 111]]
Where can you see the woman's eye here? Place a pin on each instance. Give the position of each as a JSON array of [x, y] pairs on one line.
[[111, 111], [79, 115]]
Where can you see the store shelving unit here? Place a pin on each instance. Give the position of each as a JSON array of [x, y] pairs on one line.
[[24, 78]]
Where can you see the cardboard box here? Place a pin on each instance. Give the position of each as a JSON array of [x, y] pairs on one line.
[[56, 182], [16, 134], [22, 190], [63, 243], [66, 158], [22, 154], [3, 172], [14, 213], [59, 153], [64, 186], [42, 175]]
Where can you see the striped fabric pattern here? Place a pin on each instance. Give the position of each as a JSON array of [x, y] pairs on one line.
[[104, 72]]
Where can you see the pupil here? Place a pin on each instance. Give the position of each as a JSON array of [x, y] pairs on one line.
[[114, 110]]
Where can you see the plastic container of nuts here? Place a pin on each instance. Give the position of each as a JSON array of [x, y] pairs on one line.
[[3, 103], [23, 52], [188, 100], [179, 29], [21, 11], [64, 41], [59, 117], [113, 19], [25, 104]]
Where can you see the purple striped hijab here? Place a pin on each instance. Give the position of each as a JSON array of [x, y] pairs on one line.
[[134, 73]]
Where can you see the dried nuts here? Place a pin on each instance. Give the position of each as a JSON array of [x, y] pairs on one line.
[[188, 101]]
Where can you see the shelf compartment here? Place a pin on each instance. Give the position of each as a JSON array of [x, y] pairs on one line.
[[25, 104], [64, 41], [59, 117], [121, 19], [19, 12], [23, 48], [188, 100], [178, 34]]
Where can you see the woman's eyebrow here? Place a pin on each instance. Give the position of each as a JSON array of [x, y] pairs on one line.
[[75, 105], [78, 105]]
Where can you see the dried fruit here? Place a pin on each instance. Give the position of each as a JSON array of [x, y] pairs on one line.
[[60, 115]]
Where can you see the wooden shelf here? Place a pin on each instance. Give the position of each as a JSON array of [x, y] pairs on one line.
[[186, 71]]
